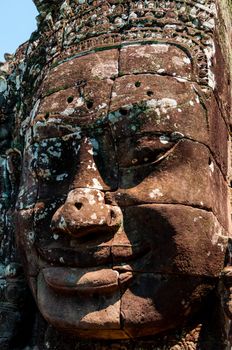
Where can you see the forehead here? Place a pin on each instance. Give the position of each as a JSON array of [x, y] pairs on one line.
[[131, 59], [149, 85], [84, 89]]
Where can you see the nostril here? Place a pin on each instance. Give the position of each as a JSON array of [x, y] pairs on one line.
[[114, 217], [112, 214], [78, 205]]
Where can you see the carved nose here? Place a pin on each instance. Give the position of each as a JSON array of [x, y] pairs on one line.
[[84, 212]]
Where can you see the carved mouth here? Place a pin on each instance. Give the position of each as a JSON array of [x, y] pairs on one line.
[[85, 281], [101, 269], [85, 257]]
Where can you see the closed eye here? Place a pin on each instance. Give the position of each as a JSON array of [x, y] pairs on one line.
[[144, 150]]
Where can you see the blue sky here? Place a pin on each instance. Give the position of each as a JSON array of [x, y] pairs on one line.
[[17, 22]]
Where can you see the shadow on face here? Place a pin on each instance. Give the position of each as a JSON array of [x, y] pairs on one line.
[[121, 210]]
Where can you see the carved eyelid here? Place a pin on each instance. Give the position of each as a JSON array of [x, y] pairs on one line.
[[160, 155]]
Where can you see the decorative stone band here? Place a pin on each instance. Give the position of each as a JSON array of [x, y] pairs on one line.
[[199, 55], [85, 26], [199, 12]]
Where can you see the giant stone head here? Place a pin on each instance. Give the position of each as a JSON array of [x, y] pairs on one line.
[[123, 211]]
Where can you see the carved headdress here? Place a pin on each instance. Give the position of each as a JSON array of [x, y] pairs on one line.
[[75, 27]]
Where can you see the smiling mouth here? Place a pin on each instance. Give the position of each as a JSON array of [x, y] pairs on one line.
[[101, 269]]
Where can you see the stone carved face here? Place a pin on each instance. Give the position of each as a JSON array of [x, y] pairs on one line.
[[122, 210]]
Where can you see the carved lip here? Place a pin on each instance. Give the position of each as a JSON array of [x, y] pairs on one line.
[[85, 257], [85, 281], [101, 269]]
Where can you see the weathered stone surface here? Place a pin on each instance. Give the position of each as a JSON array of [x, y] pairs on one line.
[[151, 298], [156, 58], [85, 212], [114, 144], [163, 246], [187, 164], [80, 312], [97, 66], [174, 109], [105, 280], [75, 105]]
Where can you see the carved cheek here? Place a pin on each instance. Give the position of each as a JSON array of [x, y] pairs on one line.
[[25, 238], [172, 206], [181, 239], [188, 175]]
